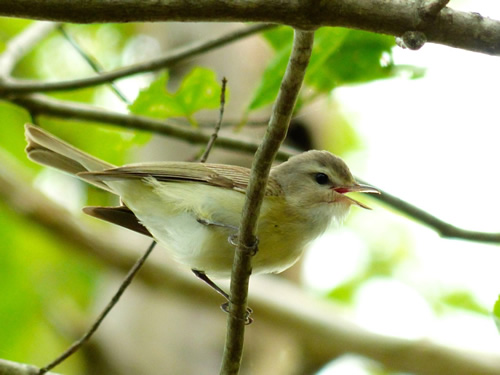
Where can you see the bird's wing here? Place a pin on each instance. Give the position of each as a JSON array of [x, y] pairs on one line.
[[120, 215], [220, 175]]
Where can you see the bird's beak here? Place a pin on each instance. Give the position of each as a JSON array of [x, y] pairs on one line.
[[356, 188]]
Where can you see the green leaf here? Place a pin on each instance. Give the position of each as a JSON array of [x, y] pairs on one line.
[[109, 143], [344, 56], [39, 276], [340, 56], [464, 300], [496, 313], [279, 37], [345, 291], [270, 82], [340, 137], [199, 90]]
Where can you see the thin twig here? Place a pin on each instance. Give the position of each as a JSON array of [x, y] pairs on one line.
[[93, 63], [215, 133], [16, 86], [264, 157], [430, 8], [114, 300], [443, 228]]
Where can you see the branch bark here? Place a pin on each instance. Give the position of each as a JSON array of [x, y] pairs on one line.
[[449, 27], [15, 368], [264, 157], [317, 324]]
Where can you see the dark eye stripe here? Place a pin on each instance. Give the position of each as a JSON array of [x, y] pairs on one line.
[[321, 178]]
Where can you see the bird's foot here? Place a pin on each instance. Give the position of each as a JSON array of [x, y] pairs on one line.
[[248, 313]]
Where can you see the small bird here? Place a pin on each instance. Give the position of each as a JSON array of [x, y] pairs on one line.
[[193, 208]]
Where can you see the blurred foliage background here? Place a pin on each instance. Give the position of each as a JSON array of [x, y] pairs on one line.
[[49, 293]]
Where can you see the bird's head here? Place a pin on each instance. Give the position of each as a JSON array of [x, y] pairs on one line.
[[318, 181]]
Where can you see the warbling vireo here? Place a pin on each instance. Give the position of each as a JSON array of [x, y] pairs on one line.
[[193, 208]]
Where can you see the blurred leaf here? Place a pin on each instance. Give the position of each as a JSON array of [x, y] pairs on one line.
[[464, 300], [278, 37], [270, 81], [345, 291], [199, 90], [340, 137], [340, 56], [12, 140], [496, 313], [37, 272], [281, 40], [110, 143], [384, 259]]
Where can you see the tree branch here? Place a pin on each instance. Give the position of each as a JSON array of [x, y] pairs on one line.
[[450, 27], [42, 105], [444, 229], [14, 368], [264, 157], [11, 86], [313, 322]]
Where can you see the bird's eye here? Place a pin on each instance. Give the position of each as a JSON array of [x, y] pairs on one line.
[[321, 178]]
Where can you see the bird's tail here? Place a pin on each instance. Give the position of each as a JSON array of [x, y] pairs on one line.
[[46, 149]]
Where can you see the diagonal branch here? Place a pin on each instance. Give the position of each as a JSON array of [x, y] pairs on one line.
[[444, 229], [453, 28], [17, 86], [264, 157]]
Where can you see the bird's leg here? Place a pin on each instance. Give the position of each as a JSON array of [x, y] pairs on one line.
[[225, 306], [252, 249], [203, 276]]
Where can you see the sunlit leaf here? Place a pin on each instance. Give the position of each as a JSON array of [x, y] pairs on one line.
[[340, 56], [344, 56], [340, 137], [496, 313], [464, 300], [270, 81], [199, 90]]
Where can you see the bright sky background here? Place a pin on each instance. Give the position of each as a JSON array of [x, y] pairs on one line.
[[435, 143]]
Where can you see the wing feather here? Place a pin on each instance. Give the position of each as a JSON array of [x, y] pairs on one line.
[[221, 175]]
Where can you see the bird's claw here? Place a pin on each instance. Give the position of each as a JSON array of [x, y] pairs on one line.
[[247, 318], [252, 249]]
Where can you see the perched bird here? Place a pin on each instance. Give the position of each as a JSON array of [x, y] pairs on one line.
[[193, 208]]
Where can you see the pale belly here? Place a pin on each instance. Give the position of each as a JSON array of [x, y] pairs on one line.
[[171, 211]]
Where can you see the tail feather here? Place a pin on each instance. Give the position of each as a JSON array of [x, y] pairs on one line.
[[44, 148]]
